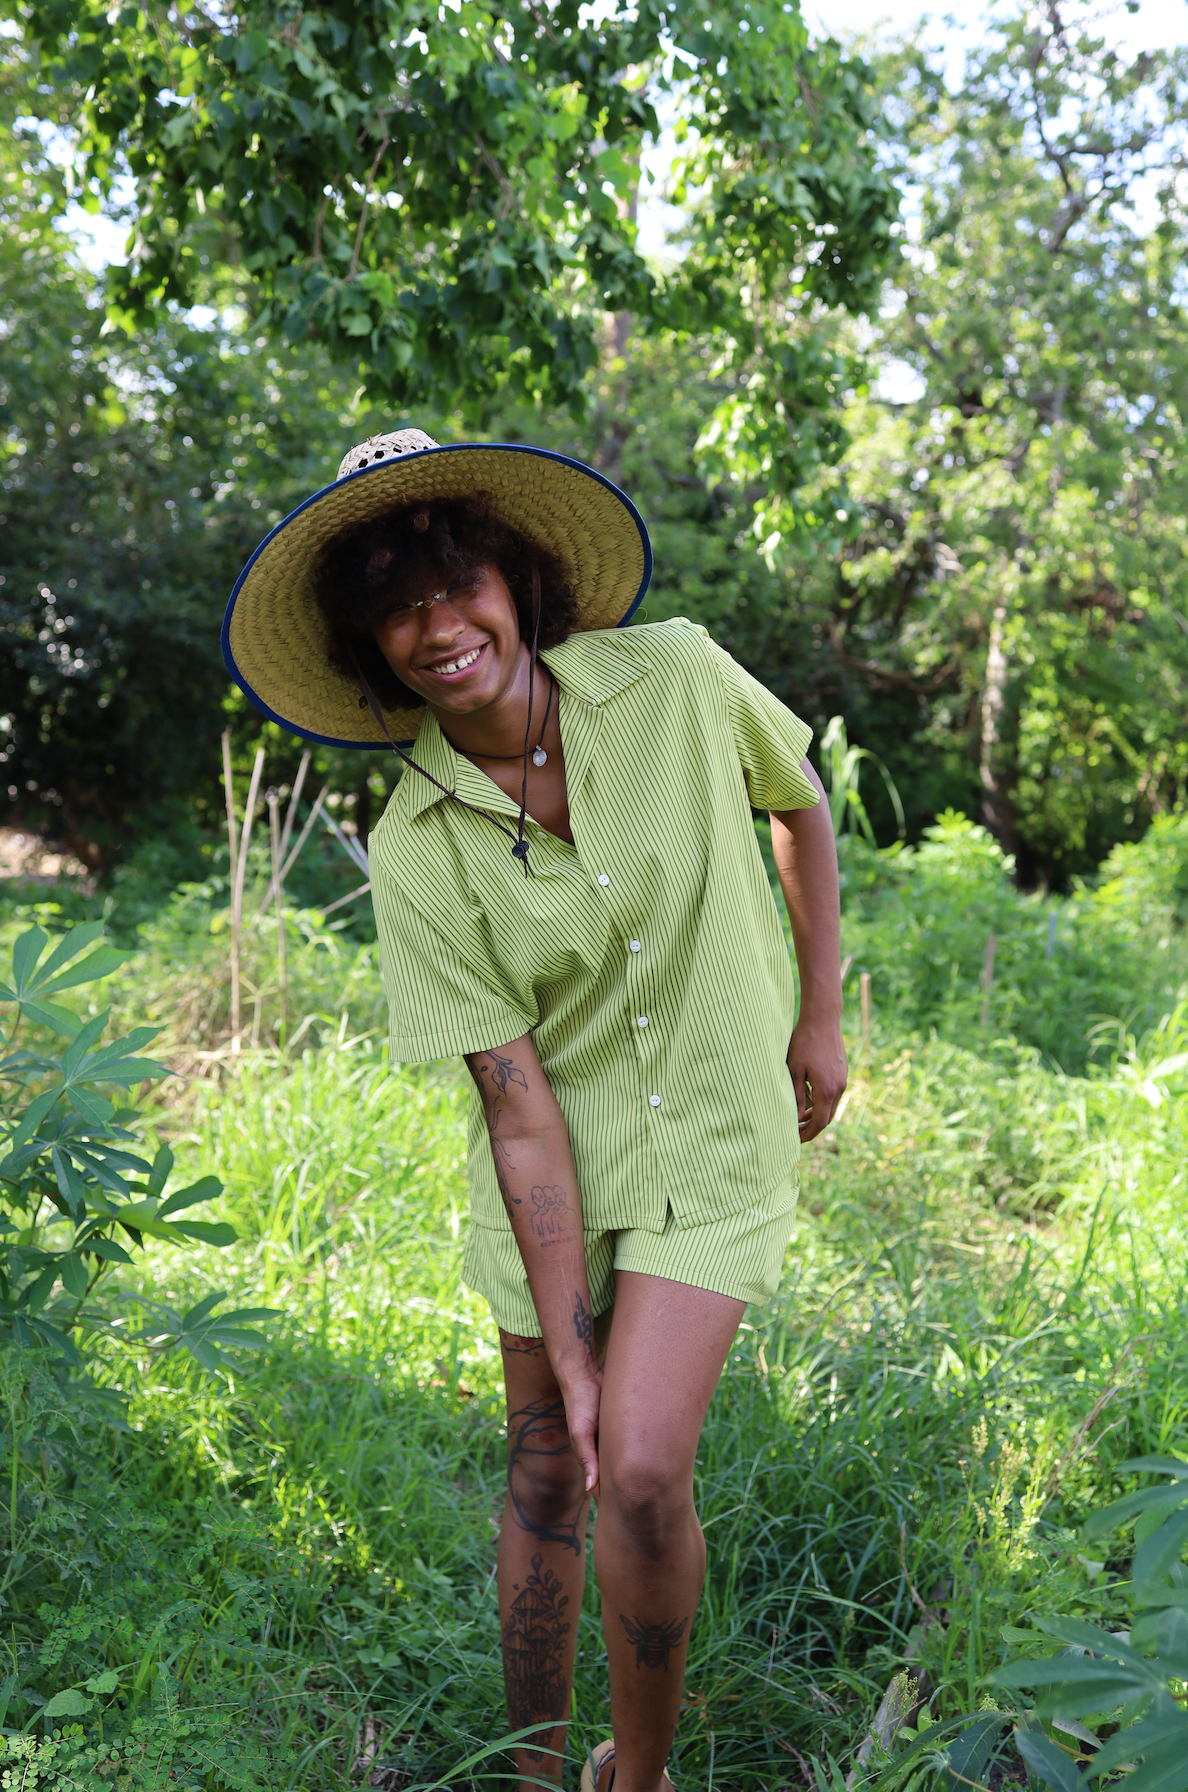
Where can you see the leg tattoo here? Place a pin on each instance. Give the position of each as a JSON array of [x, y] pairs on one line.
[[534, 1655], [540, 1430], [654, 1643]]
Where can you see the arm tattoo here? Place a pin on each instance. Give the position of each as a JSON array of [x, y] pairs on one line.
[[550, 1211], [535, 1431], [583, 1324], [534, 1666], [517, 1346], [654, 1643], [501, 1071]]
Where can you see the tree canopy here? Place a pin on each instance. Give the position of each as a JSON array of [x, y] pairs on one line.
[[988, 579], [444, 196]]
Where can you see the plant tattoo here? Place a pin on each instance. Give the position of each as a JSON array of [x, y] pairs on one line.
[[534, 1655], [654, 1643], [505, 1072], [501, 1071]]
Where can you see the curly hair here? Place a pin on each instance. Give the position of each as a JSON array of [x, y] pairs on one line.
[[366, 571]]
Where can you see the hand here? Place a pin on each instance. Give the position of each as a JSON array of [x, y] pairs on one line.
[[582, 1394], [818, 1068]]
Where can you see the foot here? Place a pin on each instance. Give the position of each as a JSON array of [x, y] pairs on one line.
[[602, 1778]]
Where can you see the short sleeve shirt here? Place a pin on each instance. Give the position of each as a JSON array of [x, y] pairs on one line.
[[647, 959]]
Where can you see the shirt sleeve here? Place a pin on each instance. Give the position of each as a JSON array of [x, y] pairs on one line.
[[444, 991], [769, 739]]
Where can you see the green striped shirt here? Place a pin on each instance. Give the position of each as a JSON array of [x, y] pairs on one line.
[[647, 960]]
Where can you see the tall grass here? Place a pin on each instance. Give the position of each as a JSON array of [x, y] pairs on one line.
[[983, 1313]]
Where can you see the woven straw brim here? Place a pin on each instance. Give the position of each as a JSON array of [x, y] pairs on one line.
[[275, 640]]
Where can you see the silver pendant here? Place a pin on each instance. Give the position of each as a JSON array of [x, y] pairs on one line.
[[540, 757]]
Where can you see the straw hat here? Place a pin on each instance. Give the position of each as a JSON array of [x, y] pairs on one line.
[[274, 635]]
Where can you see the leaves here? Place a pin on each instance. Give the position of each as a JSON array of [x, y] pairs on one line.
[[70, 1703], [1048, 1762], [446, 202], [1101, 1672], [206, 1334], [33, 981], [67, 1151]]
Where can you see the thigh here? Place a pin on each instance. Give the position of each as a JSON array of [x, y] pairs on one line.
[[667, 1347]]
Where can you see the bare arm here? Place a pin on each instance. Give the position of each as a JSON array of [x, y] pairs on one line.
[[535, 1170], [806, 861]]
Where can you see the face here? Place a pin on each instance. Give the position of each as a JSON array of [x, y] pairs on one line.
[[462, 652]]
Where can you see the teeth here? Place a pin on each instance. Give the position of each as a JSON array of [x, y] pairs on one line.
[[459, 665]]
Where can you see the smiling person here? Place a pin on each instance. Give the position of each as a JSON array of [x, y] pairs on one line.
[[570, 897]]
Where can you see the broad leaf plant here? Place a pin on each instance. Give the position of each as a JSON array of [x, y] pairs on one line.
[[77, 1197]]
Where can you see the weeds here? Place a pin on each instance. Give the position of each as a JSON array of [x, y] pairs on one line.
[[983, 1319]]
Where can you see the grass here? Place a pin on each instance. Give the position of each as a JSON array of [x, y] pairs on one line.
[[983, 1315], [969, 1340]]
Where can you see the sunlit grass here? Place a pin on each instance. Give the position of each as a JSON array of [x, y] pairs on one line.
[[987, 1254]]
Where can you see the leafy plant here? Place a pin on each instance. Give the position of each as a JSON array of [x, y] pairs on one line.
[[1138, 1677], [841, 764], [450, 195], [73, 1195]]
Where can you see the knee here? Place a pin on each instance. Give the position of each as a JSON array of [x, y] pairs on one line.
[[651, 1503], [545, 1490]]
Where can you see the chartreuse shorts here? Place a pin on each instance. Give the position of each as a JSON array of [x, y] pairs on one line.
[[740, 1255]]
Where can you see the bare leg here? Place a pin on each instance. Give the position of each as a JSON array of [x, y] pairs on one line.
[[666, 1350], [542, 1557]]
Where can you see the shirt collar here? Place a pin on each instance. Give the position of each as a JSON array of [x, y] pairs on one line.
[[586, 666]]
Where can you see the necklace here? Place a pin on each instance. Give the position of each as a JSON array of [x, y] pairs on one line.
[[539, 756]]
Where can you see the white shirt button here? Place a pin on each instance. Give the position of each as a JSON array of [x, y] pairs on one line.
[[636, 946], [603, 879], [642, 1021], [655, 1100]]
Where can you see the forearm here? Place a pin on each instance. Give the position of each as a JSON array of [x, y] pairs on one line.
[[537, 1179], [806, 863]]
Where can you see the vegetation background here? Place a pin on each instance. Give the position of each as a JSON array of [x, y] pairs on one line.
[[249, 1548]]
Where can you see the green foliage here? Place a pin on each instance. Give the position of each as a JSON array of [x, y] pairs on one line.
[[1068, 977], [70, 1188], [286, 1571], [136, 476], [1137, 1676], [1013, 577], [841, 765], [445, 198]]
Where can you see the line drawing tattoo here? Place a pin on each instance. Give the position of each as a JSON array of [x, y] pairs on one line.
[[536, 1430], [550, 1213], [534, 1655], [654, 1643], [501, 1071], [519, 1346], [583, 1324]]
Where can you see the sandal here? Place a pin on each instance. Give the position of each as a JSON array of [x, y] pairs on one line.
[[604, 1756]]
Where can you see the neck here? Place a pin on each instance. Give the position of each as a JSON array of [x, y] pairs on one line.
[[498, 728]]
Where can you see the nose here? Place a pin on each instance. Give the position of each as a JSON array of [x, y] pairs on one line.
[[441, 622]]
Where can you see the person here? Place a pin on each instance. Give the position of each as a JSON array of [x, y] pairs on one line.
[[570, 896]]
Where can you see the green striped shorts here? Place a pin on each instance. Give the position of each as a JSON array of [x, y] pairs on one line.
[[740, 1255]]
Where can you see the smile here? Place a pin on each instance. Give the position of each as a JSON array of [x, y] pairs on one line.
[[451, 668]]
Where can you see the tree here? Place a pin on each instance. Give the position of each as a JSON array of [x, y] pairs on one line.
[[1010, 608], [443, 196], [135, 478]]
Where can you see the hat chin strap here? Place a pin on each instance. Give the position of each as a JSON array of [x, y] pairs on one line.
[[519, 843]]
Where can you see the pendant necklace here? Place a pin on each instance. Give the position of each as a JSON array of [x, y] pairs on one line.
[[539, 756]]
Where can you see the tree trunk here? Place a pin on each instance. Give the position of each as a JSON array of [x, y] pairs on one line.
[[997, 807]]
